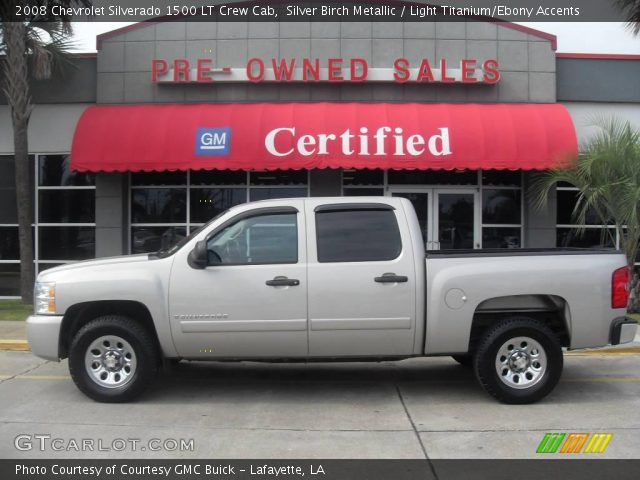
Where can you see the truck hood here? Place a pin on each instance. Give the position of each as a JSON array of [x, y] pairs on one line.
[[124, 259]]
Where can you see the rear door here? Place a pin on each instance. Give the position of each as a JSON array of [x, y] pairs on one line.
[[361, 277]]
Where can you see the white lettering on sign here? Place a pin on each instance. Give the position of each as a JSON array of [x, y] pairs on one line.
[[321, 144], [213, 141]]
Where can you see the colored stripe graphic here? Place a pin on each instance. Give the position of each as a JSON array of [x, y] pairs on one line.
[[598, 443], [574, 442], [550, 443]]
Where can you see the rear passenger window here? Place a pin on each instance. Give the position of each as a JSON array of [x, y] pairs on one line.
[[357, 235]]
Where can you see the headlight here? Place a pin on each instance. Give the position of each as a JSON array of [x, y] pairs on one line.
[[45, 298]]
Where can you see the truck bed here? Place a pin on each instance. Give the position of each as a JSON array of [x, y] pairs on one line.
[[518, 252]]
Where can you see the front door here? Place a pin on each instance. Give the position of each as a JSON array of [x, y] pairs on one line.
[[449, 217], [251, 300]]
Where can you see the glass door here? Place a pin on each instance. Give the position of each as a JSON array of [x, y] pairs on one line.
[[456, 221], [422, 202], [449, 218]]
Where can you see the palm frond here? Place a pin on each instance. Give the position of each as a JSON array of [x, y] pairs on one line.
[[607, 176], [631, 11]]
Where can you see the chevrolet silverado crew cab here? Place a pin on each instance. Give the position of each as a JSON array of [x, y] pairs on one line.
[[326, 279]]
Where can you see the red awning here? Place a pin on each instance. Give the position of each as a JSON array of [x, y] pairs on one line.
[[269, 136]]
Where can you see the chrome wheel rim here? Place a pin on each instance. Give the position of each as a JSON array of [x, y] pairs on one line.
[[521, 362], [110, 361]]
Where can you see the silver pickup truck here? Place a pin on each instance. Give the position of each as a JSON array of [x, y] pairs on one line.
[[325, 279]]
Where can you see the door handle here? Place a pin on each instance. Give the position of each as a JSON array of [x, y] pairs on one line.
[[391, 278], [281, 281]]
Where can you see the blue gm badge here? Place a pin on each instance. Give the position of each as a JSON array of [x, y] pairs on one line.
[[213, 141]]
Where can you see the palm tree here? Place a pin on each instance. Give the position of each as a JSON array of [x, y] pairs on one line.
[[29, 47], [631, 10], [607, 175]]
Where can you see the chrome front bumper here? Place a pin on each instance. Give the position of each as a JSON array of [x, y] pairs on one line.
[[43, 333]]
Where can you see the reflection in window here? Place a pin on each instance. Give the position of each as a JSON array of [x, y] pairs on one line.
[[566, 203], [9, 279], [501, 206], [588, 238], [362, 192], [257, 240], [66, 243], [54, 171], [9, 243], [153, 239], [218, 177], [206, 203], [158, 178], [432, 177], [177, 202], [66, 206], [499, 237], [502, 178], [279, 177], [65, 213], [267, 193], [364, 177], [159, 205]]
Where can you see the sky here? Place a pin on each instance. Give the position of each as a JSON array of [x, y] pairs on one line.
[[573, 37]]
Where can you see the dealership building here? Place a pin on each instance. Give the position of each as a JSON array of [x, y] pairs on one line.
[[171, 123]]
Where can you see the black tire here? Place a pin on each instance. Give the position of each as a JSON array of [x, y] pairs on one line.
[[144, 347], [487, 354], [466, 360]]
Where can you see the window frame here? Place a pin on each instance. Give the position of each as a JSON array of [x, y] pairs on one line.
[[34, 158], [478, 187], [355, 207], [257, 212], [188, 224], [600, 227]]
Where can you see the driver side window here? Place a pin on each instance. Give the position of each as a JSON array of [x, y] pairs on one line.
[[261, 239]]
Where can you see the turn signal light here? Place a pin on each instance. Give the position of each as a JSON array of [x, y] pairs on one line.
[[619, 288]]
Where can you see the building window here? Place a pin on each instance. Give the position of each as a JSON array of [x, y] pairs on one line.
[[65, 213], [432, 177], [9, 243], [358, 183], [591, 234], [501, 198], [167, 206]]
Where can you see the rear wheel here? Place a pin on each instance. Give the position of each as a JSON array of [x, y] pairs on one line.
[[113, 359], [519, 361]]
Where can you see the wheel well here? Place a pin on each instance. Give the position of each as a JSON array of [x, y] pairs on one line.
[[81, 313], [548, 309]]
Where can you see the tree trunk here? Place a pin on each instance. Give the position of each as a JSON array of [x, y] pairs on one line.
[[19, 98]]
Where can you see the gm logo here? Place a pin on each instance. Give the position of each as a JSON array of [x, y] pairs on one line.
[[213, 141]]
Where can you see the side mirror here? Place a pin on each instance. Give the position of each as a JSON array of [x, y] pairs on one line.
[[198, 256]]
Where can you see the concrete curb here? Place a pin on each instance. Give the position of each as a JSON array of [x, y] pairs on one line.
[[23, 346]]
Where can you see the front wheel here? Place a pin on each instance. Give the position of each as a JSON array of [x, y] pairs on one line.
[[519, 361], [113, 359]]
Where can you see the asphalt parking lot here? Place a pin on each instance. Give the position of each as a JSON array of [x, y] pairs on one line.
[[410, 409]]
